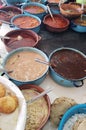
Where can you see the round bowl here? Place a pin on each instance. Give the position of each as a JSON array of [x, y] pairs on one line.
[[35, 8], [29, 39], [79, 24], [15, 2], [15, 118], [37, 89], [68, 67], [72, 114], [59, 24], [28, 71], [70, 11], [10, 11], [26, 22]]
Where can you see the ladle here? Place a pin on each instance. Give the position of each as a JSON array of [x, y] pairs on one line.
[[40, 95], [50, 13], [16, 38]]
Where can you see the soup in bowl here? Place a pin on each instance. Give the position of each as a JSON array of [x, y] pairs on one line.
[[24, 67]]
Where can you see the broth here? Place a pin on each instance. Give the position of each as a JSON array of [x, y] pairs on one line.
[[24, 66]]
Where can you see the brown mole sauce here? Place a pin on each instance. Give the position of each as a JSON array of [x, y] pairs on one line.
[[27, 40], [69, 64]]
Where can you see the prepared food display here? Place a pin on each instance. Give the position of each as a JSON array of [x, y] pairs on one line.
[[26, 22], [37, 111], [59, 107]]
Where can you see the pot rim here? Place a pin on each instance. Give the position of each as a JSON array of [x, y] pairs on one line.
[[74, 80]]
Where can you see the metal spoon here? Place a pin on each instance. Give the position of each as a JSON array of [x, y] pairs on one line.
[[16, 38], [40, 95]]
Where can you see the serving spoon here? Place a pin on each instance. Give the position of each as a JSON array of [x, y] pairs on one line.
[[16, 38], [50, 13], [2, 69], [39, 95]]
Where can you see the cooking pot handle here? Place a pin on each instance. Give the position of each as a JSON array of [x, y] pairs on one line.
[[39, 38], [78, 83]]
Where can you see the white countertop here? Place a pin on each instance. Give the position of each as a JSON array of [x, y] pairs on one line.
[[79, 94]]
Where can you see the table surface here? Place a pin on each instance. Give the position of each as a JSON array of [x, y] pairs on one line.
[[50, 41]]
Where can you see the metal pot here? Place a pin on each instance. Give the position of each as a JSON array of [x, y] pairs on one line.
[[59, 77]]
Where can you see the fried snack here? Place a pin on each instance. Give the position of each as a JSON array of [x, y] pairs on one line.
[[8, 104], [59, 107], [80, 124], [2, 90]]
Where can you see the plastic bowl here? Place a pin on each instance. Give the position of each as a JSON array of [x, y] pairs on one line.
[[35, 8], [27, 63], [77, 109], [29, 39], [25, 21]]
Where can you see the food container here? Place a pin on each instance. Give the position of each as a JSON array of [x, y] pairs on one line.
[[79, 24], [59, 24], [28, 39], [70, 10], [10, 11], [68, 67], [35, 8], [14, 120], [26, 22], [15, 2], [37, 89], [33, 72], [73, 113]]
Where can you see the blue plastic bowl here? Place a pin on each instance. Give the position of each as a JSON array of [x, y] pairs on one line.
[[36, 81], [35, 29], [15, 2], [40, 15], [77, 109]]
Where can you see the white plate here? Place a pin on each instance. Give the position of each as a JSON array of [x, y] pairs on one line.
[[17, 119]]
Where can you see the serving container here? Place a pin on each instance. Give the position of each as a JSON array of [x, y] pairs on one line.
[[38, 79], [23, 21], [39, 90], [79, 24], [28, 39], [59, 24], [70, 10], [27, 8], [11, 11], [77, 109], [15, 2], [14, 120], [64, 62]]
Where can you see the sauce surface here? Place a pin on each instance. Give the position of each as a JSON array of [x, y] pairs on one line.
[[24, 66], [26, 22], [34, 9], [69, 64]]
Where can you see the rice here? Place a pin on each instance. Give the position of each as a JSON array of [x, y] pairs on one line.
[[69, 124]]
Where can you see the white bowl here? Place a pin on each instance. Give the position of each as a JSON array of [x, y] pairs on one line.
[[17, 119]]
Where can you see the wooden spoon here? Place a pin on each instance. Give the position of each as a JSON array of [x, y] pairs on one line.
[[50, 13]]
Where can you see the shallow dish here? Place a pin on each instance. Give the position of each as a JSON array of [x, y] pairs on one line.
[[15, 118], [35, 8], [30, 91], [70, 10], [28, 39], [10, 11], [74, 114], [64, 70], [59, 24], [25, 68], [27, 22]]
